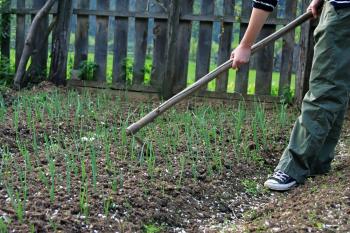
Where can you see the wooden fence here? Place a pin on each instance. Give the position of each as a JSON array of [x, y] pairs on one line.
[[172, 32]]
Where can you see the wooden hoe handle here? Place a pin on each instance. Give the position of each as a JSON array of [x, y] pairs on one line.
[[134, 128]]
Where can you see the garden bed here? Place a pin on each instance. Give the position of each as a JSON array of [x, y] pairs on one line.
[[67, 164]]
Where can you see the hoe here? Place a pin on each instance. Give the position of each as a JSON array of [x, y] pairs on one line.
[[150, 117]]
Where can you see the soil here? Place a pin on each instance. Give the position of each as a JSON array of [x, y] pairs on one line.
[[321, 205], [215, 203]]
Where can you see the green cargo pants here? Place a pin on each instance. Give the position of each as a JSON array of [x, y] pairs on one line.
[[317, 130]]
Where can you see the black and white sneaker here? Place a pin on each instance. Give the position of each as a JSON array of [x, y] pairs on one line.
[[280, 181]]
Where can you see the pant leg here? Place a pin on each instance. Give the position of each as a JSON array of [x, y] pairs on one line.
[[322, 162], [316, 132]]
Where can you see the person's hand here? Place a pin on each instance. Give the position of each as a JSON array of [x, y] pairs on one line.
[[315, 6], [240, 56]]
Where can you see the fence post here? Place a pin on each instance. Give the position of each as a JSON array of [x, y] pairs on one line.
[[306, 56], [168, 77]]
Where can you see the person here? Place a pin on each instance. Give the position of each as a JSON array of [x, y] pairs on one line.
[[317, 130]]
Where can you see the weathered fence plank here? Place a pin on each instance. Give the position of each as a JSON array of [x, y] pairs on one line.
[[148, 15], [82, 35], [172, 42], [120, 44], [241, 85], [101, 42], [159, 47], [38, 66], [183, 47], [169, 78], [264, 64], [6, 33], [20, 31], [205, 40], [287, 50], [225, 45], [141, 34]]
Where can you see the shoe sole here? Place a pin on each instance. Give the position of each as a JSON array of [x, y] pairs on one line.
[[279, 187]]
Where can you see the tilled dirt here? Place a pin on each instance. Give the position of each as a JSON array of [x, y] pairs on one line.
[[321, 205], [219, 202]]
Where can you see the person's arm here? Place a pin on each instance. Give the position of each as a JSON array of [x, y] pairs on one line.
[[241, 54], [262, 8]]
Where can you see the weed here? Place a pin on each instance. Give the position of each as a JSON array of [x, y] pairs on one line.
[[314, 219], [3, 226], [87, 70], [182, 169], [83, 200], [53, 225], [287, 96], [152, 228], [107, 205], [150, 160], [17, 203], [52, 171], [3, 109], [69, 166], [251, 187], [7, 71], [93, 167]]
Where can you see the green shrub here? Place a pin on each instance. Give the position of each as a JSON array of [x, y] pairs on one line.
[[86, 70]]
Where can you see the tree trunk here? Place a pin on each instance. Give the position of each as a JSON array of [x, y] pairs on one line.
[[37, 72], [58, 71], [28, 47]]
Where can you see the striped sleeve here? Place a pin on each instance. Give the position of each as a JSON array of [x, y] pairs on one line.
[[267, 5]]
